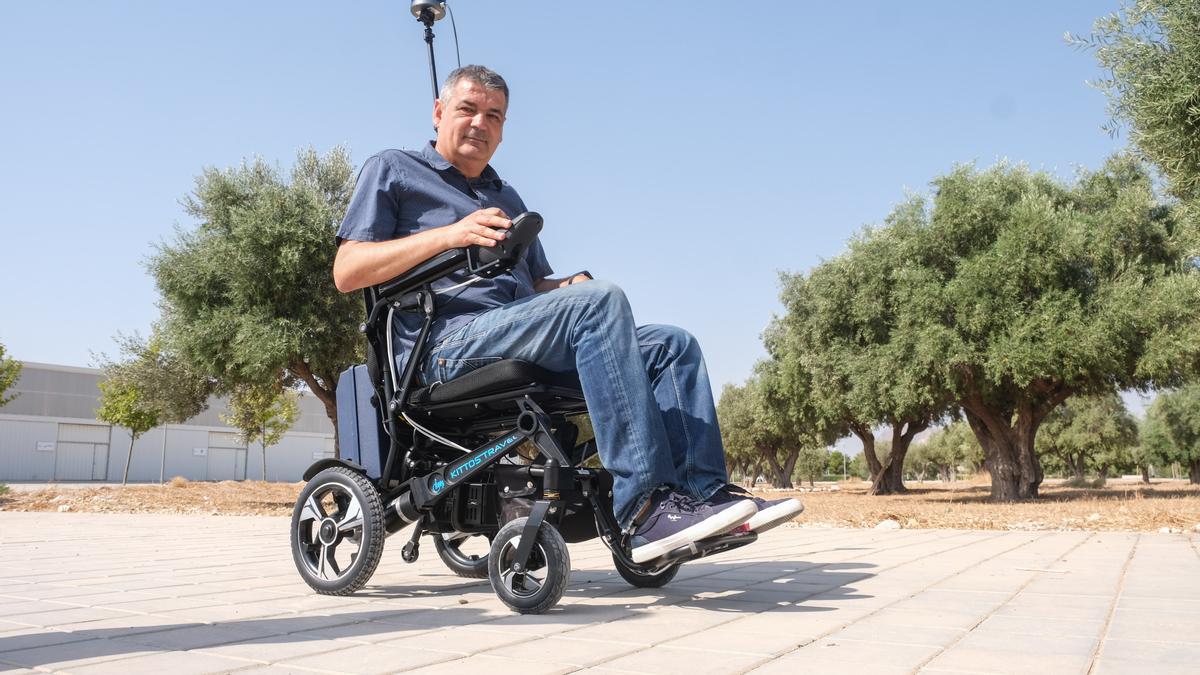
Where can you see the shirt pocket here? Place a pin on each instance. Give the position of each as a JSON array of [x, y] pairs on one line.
[[448, 369]]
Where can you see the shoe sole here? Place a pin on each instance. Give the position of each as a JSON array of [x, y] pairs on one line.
[[776, 515], [723, 522]]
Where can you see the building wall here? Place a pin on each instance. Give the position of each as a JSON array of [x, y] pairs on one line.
[[49, 432]]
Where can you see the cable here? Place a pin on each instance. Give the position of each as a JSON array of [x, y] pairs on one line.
[[454, 27], [431, 434]]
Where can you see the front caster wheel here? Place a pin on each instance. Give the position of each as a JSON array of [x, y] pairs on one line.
[[645, 580], [463, 554], [337, 531], [541, 584]]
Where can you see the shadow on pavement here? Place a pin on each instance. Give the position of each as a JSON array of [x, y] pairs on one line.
[[774, 586]]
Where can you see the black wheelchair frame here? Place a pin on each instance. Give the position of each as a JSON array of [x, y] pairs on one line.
[[441, 457]]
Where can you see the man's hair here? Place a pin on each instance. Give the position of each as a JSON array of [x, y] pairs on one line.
[[486, 77]]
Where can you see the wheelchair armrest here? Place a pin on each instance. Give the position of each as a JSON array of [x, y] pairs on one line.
[[436, 267]]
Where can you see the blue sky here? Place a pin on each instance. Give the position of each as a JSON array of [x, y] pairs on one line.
[[688, 151]]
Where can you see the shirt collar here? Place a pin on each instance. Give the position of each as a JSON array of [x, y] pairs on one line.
[[439, 163]]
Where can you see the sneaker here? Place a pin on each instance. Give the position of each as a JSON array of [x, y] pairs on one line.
[[770, 512], [675, 520]]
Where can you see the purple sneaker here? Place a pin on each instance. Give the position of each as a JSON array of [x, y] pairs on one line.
[[770, 512], [673, 520]]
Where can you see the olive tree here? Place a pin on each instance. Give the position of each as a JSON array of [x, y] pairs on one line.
[[247, 293], [844, 338], [1095, 432], [1174, 427], [1151, 49]]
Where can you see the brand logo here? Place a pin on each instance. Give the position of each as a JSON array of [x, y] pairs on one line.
[[438, 485], [672, 517], [481, 456]]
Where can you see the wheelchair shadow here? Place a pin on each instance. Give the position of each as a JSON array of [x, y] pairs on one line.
[[776, 586], [593, 597]]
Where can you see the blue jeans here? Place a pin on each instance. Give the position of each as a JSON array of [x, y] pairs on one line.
[[647, 387]]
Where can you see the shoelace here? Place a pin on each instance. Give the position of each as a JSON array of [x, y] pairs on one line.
[[680, 502]]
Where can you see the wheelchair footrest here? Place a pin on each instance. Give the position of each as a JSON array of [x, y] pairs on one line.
[[706, 547]]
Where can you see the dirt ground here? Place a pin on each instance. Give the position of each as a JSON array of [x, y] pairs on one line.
[[1122, 505]]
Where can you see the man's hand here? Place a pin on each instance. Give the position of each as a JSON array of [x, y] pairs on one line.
[[543, 285], [484, 227]]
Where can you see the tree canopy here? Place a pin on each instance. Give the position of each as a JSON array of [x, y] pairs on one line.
[[1090, 432], [247, 294], [262, 413], [124, 404], [1002, 294], [10, 370], [1172, 428], [1151, 49]]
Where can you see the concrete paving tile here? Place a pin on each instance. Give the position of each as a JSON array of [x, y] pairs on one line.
[[1107, 666], [175, 663], [369, 659], [663, 659], [1043, 625], [192, 637], [1138, 624], [727, 638], [272, 649], [1008, 653], [1155, 653], [19, 607], [486, 663], [73, 654], [61, 617], [32, 638], [461, 640], [565, 650], [928, 636]]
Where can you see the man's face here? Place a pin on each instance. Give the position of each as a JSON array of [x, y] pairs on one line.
[[470, 125]]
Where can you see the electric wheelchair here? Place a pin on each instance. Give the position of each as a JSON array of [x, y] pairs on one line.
[[445, 459]]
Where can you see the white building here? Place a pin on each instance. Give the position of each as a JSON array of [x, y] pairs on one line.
[[49, 432]]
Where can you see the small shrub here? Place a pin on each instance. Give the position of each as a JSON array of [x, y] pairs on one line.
[[178, 482], [3, 489]]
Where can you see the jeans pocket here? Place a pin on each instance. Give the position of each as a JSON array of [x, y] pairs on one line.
[[448, 369]]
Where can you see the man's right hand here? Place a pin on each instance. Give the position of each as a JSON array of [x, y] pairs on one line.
[[484, 227]]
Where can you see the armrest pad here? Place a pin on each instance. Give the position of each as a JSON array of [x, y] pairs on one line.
[[436, 267]]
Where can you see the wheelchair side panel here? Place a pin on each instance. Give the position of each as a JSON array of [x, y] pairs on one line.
[[360, 429]]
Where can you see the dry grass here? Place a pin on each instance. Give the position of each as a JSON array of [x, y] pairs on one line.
[[242, 498], [1123, 505]]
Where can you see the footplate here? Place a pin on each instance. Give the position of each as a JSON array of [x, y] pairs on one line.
[[704, 547]]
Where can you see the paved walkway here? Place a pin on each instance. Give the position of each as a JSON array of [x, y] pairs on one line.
[[96, 593]]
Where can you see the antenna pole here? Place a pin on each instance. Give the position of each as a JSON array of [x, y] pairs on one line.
[[426, 17]]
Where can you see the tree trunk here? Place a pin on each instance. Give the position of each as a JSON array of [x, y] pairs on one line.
[[263, 431], [1008, 448], [327, 396], [890, 480], [1102, 475], [128, 458], [1194, 472], [867, 436], [1078, 467], [1145, 473]]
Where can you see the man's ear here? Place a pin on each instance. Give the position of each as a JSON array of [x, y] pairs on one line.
[[437, 112]]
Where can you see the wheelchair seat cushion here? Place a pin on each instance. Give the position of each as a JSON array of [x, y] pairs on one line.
[[494, 378]]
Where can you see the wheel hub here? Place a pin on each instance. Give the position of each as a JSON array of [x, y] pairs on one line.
[[328, 533]]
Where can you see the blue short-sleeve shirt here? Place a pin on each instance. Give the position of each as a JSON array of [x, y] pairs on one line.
[[400, 192]]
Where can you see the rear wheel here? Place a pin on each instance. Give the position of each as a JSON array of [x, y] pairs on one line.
[[465, 554], [337, 531]]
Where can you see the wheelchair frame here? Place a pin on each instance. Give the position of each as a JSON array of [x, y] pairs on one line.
[[384, 483]]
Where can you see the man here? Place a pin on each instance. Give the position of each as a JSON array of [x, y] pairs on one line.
[[647, 386]]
